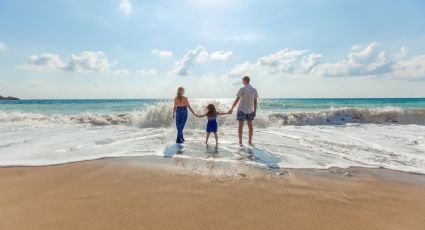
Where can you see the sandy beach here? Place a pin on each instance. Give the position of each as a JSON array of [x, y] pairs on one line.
[[212, 114], [122, 194]]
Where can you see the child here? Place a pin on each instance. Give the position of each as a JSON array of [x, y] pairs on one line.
[[212, 115]]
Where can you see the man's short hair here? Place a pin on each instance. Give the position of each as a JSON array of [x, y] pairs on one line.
[[246, 79]]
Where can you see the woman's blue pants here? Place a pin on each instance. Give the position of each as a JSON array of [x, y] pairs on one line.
[[181, 117]]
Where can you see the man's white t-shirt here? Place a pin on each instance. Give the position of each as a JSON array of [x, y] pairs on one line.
[[247, 95]]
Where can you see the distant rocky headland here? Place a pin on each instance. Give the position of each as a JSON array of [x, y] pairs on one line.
[[8, 98]]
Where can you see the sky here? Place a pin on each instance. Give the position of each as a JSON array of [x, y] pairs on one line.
[[146, 49]]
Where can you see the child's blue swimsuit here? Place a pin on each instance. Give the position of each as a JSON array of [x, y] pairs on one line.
[[212, 124]]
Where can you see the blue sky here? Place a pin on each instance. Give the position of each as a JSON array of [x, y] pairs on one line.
[[146, 49]]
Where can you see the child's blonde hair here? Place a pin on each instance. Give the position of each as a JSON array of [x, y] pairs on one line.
[[211, 110]]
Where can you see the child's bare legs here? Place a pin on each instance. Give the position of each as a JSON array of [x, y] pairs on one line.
[[206, 138], [216, 138]]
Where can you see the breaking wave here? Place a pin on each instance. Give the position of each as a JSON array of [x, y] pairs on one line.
[[160, 116]]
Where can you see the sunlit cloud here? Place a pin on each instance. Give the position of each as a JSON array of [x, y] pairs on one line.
[[2, 46], [184, 66], [372, 60], [126, 7], [44, 62], [280, 63], [85, 61], [88, 61], [410, 68], [221, 55], [362, 60], [162, 53]]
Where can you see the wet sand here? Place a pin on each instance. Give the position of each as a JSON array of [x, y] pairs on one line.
[[121, 194]]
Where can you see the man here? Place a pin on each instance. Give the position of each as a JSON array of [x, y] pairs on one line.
[[247, 96]]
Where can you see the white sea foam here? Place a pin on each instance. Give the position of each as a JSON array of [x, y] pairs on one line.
[[388, 137], [398, 147], [160, 116]]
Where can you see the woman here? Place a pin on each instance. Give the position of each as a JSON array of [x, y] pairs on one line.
[[181, 104]]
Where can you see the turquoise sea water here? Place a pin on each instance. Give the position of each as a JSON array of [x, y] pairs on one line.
[[107, 106]]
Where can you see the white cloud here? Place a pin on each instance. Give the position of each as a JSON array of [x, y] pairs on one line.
[[163, 53], [2, 46], [147, 72], [282, 62], [83, 62], [372, 60], [221, 55], [44, 62], [88, 61], [309, 62], [243, 69], [122, 72], [368, 60], [402, 53], [126, 7], [185, 65], [410, 68]]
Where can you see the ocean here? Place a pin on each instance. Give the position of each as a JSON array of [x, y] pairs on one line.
[[289, 133]]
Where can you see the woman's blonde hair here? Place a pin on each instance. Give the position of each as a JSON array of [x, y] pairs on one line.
[[180, 91]]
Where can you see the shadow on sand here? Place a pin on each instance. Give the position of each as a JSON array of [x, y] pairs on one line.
[[171, 150], [261, 156], [255, 154]]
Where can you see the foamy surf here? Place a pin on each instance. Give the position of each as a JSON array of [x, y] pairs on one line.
[[387, 137], [160, 116]]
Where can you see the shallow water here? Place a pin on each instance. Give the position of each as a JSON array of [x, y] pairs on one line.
[[388, 133]]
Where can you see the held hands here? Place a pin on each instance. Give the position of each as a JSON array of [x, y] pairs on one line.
[[230, 111]]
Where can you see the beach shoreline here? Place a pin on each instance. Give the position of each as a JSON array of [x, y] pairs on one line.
[[141, 193]]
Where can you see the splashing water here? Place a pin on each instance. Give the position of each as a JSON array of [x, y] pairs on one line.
[[306, 133]]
